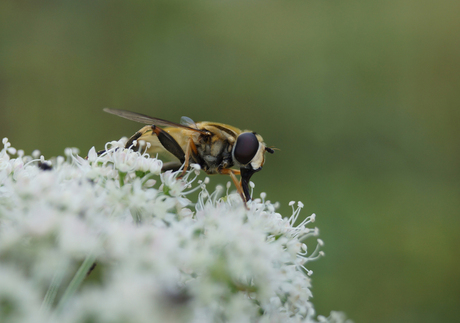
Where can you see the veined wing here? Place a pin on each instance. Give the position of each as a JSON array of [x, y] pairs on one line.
[[142, 118]]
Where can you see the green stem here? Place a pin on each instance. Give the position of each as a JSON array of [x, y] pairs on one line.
[[121, 178], [76, 282], [50, 295]]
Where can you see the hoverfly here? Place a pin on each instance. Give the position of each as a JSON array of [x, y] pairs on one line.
[[216, 147]]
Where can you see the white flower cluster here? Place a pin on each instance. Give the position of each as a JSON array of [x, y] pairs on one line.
[[109, 238]]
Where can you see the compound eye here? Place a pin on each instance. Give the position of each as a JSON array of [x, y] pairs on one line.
[[246, 147]]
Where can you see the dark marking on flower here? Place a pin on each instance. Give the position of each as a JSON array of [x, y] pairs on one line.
[[177, 297], [45, 166]]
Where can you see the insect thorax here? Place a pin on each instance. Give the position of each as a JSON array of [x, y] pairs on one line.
[[215, 154]]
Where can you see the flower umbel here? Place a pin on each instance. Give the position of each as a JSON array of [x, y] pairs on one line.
[[156, 255]]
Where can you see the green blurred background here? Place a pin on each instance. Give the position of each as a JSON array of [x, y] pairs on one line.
[[361, 97]]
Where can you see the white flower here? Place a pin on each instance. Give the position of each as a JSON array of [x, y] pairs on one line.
[[92, 155], [20, 300], [125, 160], [171, 185], [152, 165], [158, 256]]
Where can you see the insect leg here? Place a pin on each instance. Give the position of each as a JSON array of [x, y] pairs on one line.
[[191, 151], [173, 165], [246, 174], [169, 143], [232, 173], [136, 136]]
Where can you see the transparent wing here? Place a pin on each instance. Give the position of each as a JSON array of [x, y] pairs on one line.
[[142, 118], [186, 121]]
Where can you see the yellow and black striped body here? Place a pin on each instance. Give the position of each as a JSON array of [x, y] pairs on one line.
[[214, 151], [216, 147]]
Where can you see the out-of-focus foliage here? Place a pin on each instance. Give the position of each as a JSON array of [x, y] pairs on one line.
[[361, 97]]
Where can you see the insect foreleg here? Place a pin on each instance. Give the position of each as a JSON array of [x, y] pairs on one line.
[[232, 173]]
